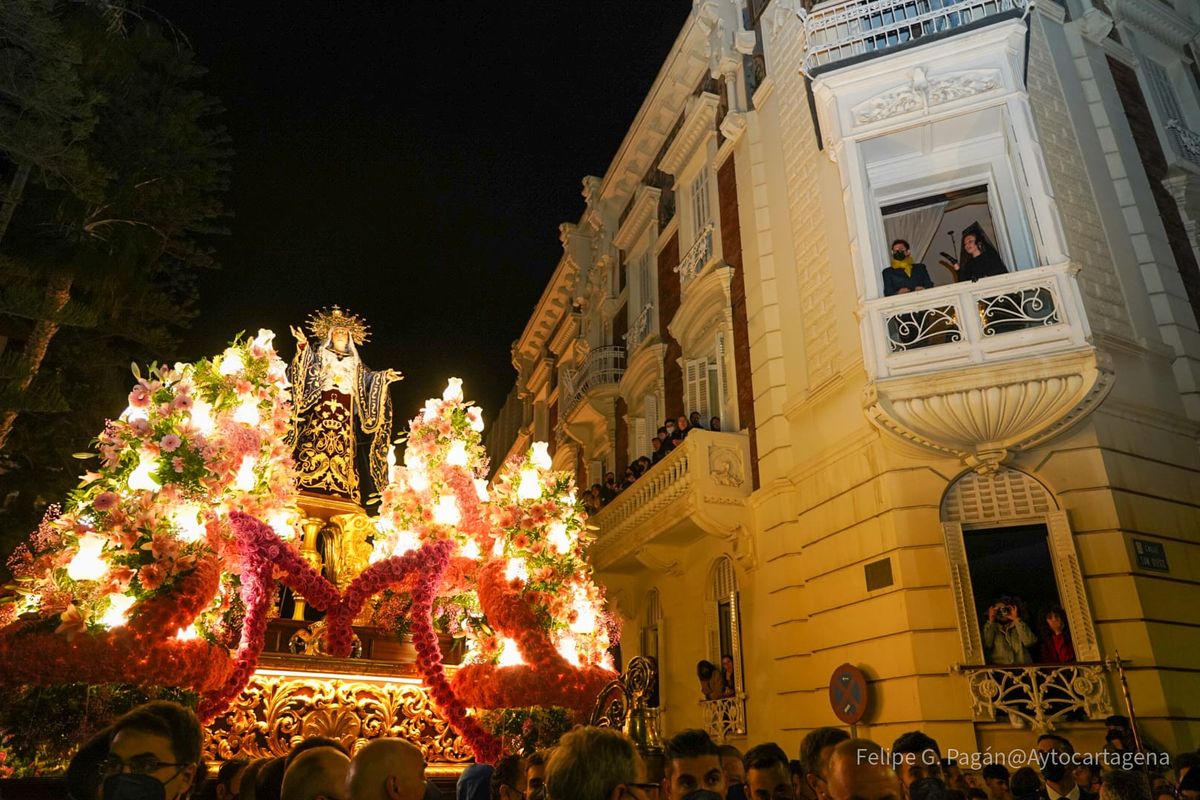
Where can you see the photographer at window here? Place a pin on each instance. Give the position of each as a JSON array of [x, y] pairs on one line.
[[1006, 637]]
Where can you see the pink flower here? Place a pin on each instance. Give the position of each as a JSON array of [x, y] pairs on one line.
[[106, 501], [177, 464], [139, 397], [170, 443], [182, 402]]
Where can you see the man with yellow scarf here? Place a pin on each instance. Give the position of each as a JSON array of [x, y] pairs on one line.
[[903, 276]]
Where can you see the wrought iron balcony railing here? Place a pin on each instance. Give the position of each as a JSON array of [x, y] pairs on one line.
[[697, 257], [846, 29], [603, 366], [639, 329], [1040, 695], [725, 717], [1023, 313]]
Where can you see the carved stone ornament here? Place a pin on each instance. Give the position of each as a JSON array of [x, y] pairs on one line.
[[274, 712], [725, 466], [984, 414], [923, 92]]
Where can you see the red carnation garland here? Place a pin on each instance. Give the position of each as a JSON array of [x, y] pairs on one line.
[[262, 550]]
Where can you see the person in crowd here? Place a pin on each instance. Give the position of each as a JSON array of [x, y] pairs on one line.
[[318, 773], [933, 789], [386, 769], [800, 787], [268, 784], [154, 749], [508, 779], [656, 451], [646, 464], [903, 276], [917, 756], [664, 436], [1026, 785], [1087, 776], [535, 776], [229, 779], [312, 743], [1055, 762], [669, 424], [1006, 636], [630, 477], [859, 770], [815, 749], [475, 783], [610, 488], [981, 259], [975, 793], [1120, 784], [83, 773], [597, 764], [1054, 637], [694, 420], [733, 765], [768, 774], [727, 674], [681, 429], [714, 424], [1184, 763], [1159, 786], [250, 778], [1189, 785], [995, 780], [953, 775], [691, 762], [712, 683]]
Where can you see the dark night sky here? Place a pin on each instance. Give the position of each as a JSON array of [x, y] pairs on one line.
[[411, 162]]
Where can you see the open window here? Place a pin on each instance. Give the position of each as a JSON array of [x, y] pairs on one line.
[[724, 621], [651, 644]]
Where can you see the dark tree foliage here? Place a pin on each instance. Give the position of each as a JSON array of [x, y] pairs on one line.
[[112, 169]]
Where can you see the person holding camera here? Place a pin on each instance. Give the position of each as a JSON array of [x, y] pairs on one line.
[[1006, 636]]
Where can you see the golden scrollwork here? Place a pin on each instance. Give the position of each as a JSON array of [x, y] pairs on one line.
[[274, 712]]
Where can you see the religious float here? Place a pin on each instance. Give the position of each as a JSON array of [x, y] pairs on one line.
[[247, 541]]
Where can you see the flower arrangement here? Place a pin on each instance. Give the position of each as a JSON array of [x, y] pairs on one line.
[[524, 731], [135, 555]]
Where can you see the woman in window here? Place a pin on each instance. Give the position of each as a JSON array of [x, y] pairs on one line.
[[979, 257], [1055, 637], [728, 676], [712, 681]]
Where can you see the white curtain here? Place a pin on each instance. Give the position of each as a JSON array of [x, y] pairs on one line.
[[917, 227]]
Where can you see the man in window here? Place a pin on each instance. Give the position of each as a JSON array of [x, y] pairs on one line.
[[1006, 636], [903, 276]]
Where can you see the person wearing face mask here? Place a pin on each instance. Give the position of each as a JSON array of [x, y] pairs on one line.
[[1055, 762], [903, 276], [154, 754]]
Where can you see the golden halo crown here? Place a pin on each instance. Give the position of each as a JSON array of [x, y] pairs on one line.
[[323, 321]]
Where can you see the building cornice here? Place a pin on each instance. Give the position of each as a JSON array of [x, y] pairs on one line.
[[644, 209], [1156, 19], [701, 120]]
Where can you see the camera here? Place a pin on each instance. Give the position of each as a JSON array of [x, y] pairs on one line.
[[1004, 610]]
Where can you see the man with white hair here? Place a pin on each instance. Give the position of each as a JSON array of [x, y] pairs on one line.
[[387, 769]]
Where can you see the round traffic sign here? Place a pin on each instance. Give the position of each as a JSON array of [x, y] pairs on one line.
[[848, 693]]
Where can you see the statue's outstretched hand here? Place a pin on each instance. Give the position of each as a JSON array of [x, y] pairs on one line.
[[391, 376], [298, 335]]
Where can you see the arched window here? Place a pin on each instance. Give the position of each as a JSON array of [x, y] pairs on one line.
[[723, 618], [652, 643]]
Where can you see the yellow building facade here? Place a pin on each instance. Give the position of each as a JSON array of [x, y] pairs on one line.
[[888, 466]]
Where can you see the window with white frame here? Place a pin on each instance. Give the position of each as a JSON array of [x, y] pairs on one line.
[[651, 644], [724, 623], [643, 279], [700, 207], [702, 386], [964, 170]]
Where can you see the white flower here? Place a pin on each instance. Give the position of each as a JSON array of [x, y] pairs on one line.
[[540, 457], [475, 418], [453, 393], [433, 408], [264, 338]]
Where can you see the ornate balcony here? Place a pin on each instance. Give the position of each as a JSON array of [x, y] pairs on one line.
[[725, 717], [601, 372], [1187, 141], [700, 488], [982, 369], [1041, 695], [639, 329], [697, 257], [842, 31]]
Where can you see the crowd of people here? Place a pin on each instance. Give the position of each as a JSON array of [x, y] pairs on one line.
[[669, 436], [154, 753]]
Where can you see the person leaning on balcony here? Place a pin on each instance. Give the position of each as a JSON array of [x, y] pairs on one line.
[[712, 682], [714, 424], [694, 421], [1006, 636], [1055, 637], [681, 430], [903, 276], [656, 451], [981, 259]]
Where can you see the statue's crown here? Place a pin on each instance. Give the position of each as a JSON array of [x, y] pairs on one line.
[[323, 321]]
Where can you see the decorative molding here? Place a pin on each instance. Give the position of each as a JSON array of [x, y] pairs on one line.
[[1006, 494], [1156, 19], [984, 414], [923, 92], [1040, 696], [699, 121], [643, 210], [1094, 25], [725, 466]]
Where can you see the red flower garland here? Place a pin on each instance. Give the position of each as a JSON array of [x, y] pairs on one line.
[[547, 679], [262, 550]]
